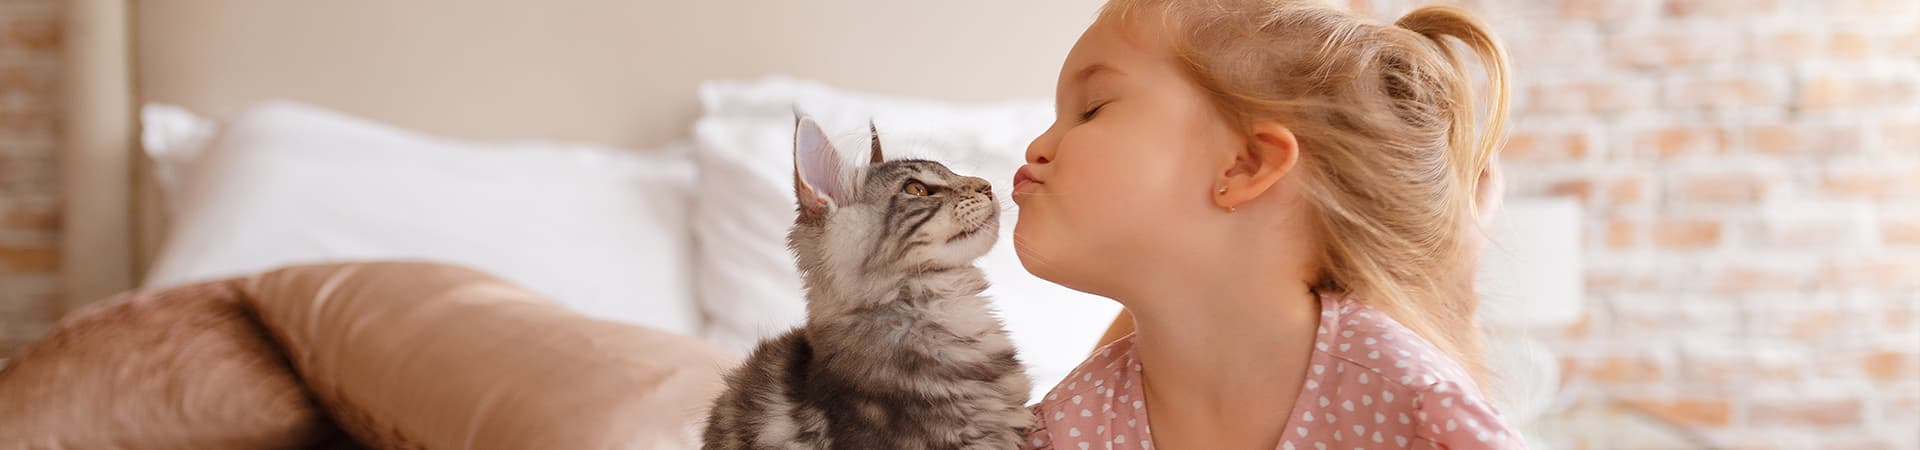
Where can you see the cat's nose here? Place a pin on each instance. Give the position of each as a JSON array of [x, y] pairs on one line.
[[977, 184]]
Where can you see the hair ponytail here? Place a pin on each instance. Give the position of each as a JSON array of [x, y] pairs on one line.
[[1437, 23]]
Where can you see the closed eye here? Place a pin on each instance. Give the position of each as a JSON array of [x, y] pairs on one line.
[[1088, 115]]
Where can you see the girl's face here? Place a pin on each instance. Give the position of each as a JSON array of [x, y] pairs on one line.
[[1114, 193]]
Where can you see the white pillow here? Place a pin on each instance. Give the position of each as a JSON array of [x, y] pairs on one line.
[[745, 275], [601, 230]]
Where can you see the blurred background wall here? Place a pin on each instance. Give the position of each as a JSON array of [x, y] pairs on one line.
[[30, 40], [1751, 176]]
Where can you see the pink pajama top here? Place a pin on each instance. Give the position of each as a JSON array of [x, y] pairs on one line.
[[1372, 384]]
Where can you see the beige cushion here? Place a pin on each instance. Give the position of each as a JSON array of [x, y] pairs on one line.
[[183, 368], [414, 355], [402, 355]]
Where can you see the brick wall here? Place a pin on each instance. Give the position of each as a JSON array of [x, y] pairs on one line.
[[29, 197], [1751, 172]]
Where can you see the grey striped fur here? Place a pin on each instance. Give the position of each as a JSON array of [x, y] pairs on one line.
[[900, 350]]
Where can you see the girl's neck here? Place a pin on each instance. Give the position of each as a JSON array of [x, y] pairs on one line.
[[1235, 356]]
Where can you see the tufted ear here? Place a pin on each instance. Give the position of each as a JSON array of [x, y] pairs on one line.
[[875, 157], [818, 180]]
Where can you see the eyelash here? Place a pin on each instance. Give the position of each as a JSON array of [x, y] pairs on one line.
[[1088, 116]]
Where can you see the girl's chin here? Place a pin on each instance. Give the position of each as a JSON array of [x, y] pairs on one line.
[[1023, 247]]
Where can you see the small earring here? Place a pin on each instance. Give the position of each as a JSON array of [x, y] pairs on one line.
[[1222, 190], [1229, 209]]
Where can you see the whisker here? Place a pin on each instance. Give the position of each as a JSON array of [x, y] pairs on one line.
[[1021, 248], [1037, 194]]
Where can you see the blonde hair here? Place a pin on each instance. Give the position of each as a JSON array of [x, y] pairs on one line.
[[1385, 119]]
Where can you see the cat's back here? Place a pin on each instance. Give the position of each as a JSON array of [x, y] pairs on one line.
[[760, 408]]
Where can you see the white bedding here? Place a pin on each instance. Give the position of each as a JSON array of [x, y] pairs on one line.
[[601, 230], [606, 231]]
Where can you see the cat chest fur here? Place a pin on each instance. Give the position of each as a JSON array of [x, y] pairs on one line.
[[922, 341]]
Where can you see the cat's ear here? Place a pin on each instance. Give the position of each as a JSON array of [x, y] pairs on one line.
[[874, 132], [817, 168]]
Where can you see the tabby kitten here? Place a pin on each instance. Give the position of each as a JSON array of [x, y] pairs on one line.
[[900, 350]]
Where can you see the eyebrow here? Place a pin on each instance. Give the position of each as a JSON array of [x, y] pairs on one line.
[[1091, 70]]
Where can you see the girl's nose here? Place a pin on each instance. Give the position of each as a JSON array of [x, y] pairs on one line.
[[1040, 151]]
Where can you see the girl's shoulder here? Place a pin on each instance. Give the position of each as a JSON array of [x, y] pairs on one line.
[[1375, 374], [1363, 337], [1100, 403]]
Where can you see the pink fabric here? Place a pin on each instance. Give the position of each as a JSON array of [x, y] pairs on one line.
[[1372, 384]]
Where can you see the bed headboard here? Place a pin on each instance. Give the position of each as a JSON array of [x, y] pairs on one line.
[[619, 72]]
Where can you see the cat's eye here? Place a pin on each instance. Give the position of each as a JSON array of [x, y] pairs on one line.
[[915, 188]]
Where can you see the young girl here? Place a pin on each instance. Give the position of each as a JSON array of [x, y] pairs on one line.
[[1283, 196]]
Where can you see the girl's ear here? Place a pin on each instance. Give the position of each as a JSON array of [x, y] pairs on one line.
[[818, 183], [1271, 152]]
